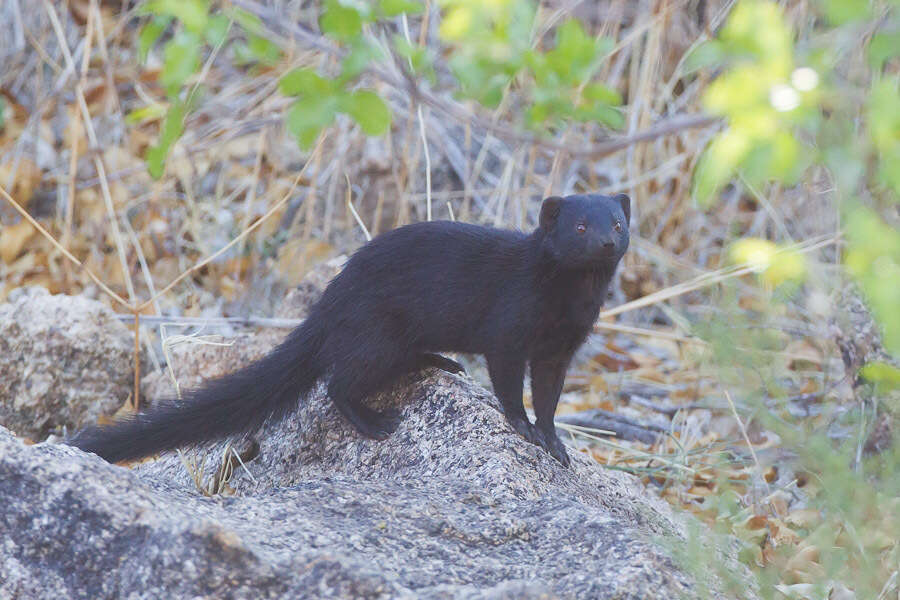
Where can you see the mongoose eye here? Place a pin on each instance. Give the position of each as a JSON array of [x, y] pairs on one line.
[[581, 228], [618, 226]]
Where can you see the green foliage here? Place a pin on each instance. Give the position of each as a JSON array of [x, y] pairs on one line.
[[772, 95], [339, 21], [150, 33], [769, 105], [490, 45], [367, 109], [319, 101], [759, 99], [494, 52], [884, 130], [873, 257], [194, 29], [394, 8]]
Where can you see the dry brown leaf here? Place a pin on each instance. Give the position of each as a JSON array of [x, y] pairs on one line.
[[804, 518], [25, 176], [13, 238]]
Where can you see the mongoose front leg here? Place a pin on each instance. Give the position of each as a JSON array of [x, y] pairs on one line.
[[547, 376], [506, 377]]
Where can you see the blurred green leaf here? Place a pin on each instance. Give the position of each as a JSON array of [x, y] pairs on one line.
[[881, 374], [172, 128], [607, 115], [873, 257], [303, 81], [418, 55], [339, 21], [884, 128], [392, 8], [250, 22], [367, 109], [597, 92], [575, 52], [145, 113], [707, 54], [193, 13], [717, 165], [150, 32], [308, 116], [883, 47], [217, 29], [354, 62], [844, 11], [263, 50], [181, 58]]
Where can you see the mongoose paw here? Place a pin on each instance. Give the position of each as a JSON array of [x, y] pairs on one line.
[[378, 425], [524, 428], [556, 448], [386, 422]]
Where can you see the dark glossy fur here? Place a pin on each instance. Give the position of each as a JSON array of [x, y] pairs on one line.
[[441, 286]]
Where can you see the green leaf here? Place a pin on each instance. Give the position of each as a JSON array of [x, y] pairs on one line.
[[367, 109], [884, 129], [217, 29], [172, 128], [263, 50], [299, 82], [883, 47], [150, 33], [609, 116], [597, 92], [873, 257], [308, 116], [145, 113], [707, 54], [360, 55], [340, 22], [392, 8], [250, 22], [844, 11], [193, 13], [181, 58], [882, 374], [574, 54], [421, 62], [717, 165]]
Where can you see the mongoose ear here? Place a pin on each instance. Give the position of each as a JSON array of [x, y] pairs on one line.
[[550, 210], [625, 202]]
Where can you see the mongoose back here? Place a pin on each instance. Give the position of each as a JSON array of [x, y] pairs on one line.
[[519, 299]]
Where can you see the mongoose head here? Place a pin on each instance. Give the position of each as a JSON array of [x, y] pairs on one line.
[[585, 231]]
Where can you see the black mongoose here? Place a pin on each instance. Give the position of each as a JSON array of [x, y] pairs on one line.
[[431, 287]]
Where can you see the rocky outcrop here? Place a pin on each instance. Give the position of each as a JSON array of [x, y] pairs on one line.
[[454, 504], [64, 361]]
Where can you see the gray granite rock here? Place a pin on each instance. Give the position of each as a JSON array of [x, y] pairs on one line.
[[64, 361], [76, 527]]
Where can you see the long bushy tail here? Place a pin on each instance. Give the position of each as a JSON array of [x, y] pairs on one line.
[[235, 403]]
